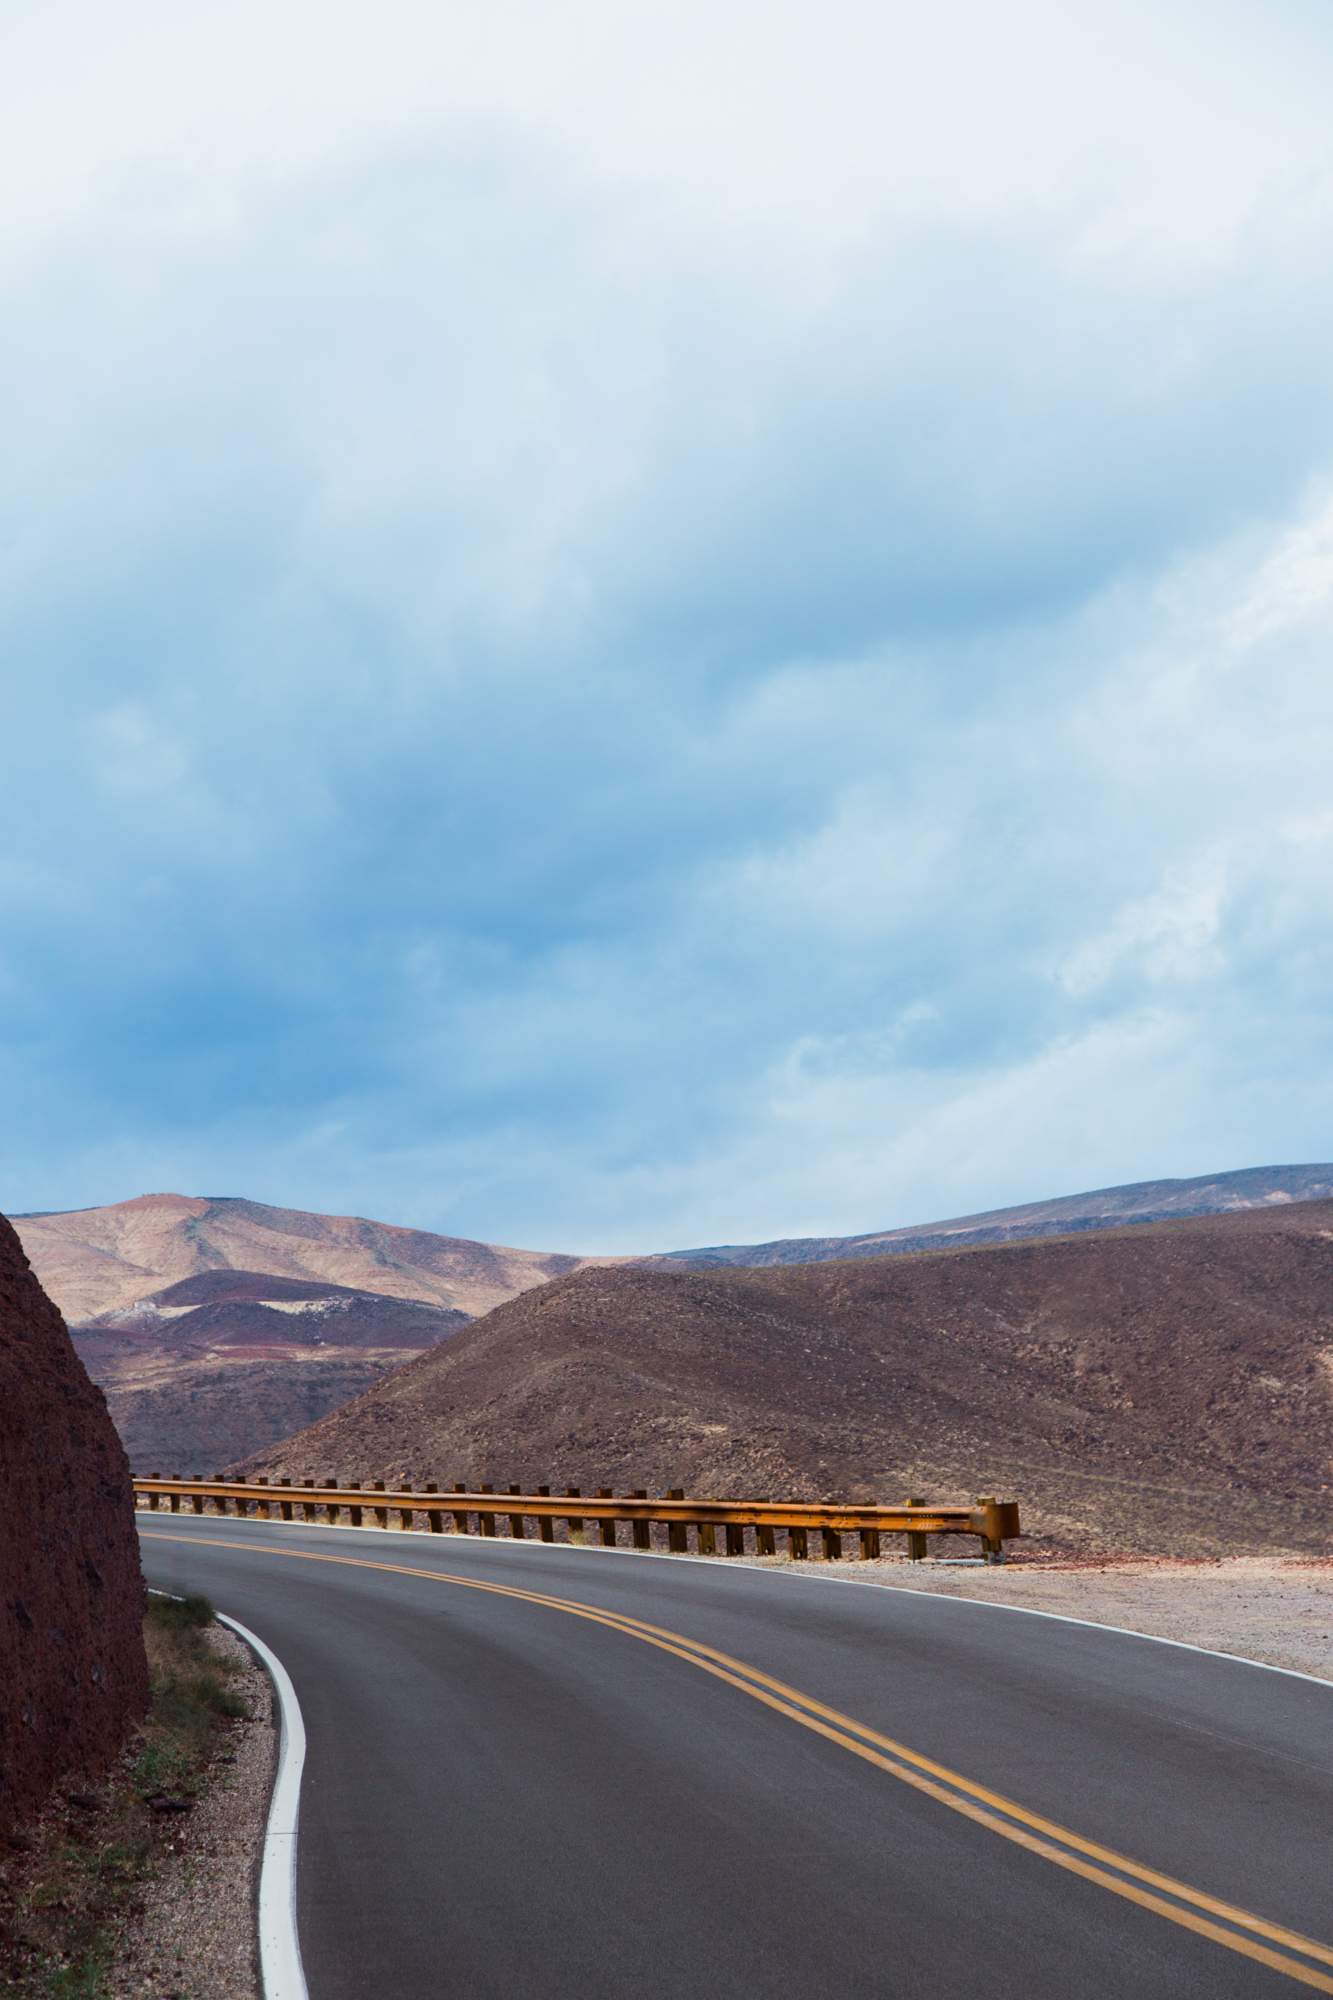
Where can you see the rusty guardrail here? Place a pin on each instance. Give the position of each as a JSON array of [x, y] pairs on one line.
[[993, 1521]]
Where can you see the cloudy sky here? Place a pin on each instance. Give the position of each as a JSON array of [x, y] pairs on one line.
[[632, 625]]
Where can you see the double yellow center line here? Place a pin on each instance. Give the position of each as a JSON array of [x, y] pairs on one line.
[[1301, 1958]]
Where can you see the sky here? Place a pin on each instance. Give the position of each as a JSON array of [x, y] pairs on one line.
[[625, 627]]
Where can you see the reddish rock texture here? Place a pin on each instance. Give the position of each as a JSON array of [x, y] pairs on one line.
[[73, 1676]]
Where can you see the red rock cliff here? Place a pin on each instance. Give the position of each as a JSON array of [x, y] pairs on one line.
[[73, 1676]]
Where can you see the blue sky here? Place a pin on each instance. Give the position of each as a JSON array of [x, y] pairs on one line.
[[626, 627]]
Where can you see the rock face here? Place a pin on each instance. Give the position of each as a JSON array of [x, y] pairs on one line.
[[73, 1676]]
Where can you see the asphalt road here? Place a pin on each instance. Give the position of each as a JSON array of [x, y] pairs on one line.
[[503, 1800]]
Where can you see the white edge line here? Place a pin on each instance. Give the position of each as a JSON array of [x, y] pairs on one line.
[[798, 1576], [279, 1946]]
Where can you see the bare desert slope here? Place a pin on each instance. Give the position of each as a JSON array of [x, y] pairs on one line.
[[1167, 1387], [218, 1326], [93, 1260], [227, 1361]]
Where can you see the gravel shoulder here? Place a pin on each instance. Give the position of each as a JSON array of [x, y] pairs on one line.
[[1271, 1608], [194, 1936]]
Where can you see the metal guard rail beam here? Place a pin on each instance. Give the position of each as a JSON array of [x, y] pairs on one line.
[[993, 1521]]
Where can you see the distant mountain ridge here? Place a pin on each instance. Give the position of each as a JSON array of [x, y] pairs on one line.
[[217, 1325], [1103, 1208], [93, 1260]]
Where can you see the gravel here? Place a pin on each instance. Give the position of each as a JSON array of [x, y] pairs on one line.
[[196, 1937]]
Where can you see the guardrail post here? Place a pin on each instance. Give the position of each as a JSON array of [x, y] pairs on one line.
[[869, 1544], [219, 1499], [707, 1533], [307, 1506], [735, 1538], [678, 1540], [607, 1528], [992, 1545], [285, 1506], [575, 1520], [198, 1502], [153, 1498], [764, 1543], [516, 1520], [434, 1515], [545, 1524], [642, 1529], [486, 1522], [406, 1515], [354, 1513], [832, 1544], [263, 1506], [332, 1511], [381, 1513], [916, 1541], [798, 1544], [460, 1513], [176, 1498]]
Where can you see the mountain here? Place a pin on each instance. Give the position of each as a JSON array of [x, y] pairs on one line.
[[92, 1260], [1163, 1387], [1140, 1201], [228, 1361], [218, 1325], [95, 1260]]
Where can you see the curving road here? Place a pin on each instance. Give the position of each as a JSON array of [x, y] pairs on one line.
[[512, 1789]]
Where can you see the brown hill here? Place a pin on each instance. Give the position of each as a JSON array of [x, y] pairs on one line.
[[294, 1313], [229, 1361], [1164, 1387], [94, 1259]]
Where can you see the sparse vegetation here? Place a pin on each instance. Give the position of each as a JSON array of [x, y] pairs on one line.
[[65, 1884]]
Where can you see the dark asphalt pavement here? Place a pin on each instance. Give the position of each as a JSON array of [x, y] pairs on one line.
[[502, 1800]]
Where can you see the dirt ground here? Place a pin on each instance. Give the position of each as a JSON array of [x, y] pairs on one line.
[[1273, 1608]]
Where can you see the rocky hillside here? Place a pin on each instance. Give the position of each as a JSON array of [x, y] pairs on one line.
[[92, 1260], [219, 1326], [72, 1666], [228, 1361], [1167, 1387]]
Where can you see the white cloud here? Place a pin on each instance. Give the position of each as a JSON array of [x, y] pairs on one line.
[[634, 628]]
